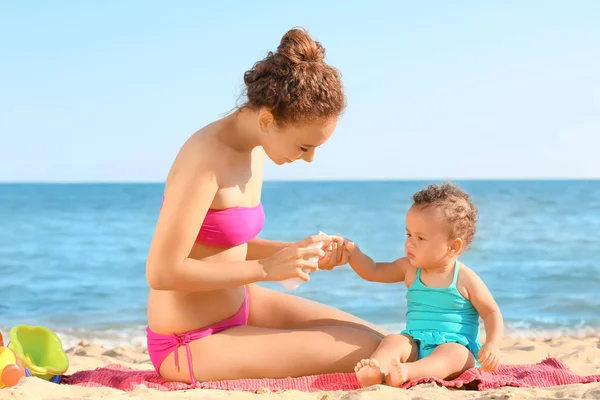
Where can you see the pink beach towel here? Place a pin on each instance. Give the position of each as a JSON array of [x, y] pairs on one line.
[[124, 378], [550, 372]]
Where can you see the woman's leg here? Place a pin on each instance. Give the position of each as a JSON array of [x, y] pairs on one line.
[[447, 361], [272, 309], [286, 336], [255, 352]]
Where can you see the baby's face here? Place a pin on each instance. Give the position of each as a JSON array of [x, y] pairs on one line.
[[427, 237]]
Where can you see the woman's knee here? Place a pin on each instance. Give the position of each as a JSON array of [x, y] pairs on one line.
[[345, 347], [272, 309], [373, 340], [361, 338], [349, 343]]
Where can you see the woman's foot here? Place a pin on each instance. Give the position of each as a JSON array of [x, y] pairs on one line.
[[368, 372], [397, 374]]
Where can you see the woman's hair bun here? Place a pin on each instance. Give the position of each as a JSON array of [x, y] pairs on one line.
[[298, 47], [294, 82]]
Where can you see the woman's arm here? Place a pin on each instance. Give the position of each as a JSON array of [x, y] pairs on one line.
[[262, 248], [190, 189]]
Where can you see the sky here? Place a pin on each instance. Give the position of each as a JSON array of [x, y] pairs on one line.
[[110, 90]]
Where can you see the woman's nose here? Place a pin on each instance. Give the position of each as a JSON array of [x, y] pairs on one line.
[[308, 156]]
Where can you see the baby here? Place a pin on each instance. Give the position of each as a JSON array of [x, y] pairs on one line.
[[445, 298]]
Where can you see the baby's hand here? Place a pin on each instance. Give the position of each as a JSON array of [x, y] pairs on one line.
[[335, 255], [349, 247], [488, 357]]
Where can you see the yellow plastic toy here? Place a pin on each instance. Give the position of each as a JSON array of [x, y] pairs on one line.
[[40, 351], [11, 369]]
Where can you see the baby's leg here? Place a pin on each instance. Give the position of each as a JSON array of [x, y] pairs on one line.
[[447, 361], [369, 371]]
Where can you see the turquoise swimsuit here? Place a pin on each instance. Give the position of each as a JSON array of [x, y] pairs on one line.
[[440, 315]]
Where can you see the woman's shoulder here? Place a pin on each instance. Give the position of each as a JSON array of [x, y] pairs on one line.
[[205, 155], [201, 149], [214, 141], [204, 140]]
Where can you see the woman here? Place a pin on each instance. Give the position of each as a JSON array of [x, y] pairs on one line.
[[207, 320]]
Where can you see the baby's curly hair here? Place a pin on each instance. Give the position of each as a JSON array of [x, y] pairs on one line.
[[461, 214]]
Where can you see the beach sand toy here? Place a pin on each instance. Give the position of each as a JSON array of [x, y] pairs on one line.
[[293, 283], [11, 368], [40, 351]]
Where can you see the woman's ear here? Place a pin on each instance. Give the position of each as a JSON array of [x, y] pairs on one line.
[[265, 120]]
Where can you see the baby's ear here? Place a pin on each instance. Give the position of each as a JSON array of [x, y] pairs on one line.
[[457, 245]]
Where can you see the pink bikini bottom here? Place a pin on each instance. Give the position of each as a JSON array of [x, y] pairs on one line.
[[160, 346]]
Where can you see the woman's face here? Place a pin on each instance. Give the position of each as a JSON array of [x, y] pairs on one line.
[[286, 144]]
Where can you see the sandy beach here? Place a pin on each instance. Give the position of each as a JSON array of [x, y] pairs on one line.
[[581, 354]]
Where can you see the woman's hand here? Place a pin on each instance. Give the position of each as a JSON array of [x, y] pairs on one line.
[[336, 253], [290, 261]]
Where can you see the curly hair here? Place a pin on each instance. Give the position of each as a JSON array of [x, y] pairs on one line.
[[295, 83], [457, 206]]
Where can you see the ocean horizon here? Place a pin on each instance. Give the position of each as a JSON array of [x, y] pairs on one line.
[[315, 180], [72, 254]]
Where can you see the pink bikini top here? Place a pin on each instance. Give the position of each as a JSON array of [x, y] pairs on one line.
[[231, 227]]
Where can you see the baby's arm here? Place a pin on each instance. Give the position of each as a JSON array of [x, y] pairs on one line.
[[488, 309], [486, 306], [384, 272]]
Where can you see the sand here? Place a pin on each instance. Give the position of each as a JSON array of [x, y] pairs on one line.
[[582, 355]]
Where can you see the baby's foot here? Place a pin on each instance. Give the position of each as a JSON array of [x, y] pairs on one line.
[[397, 374], [368, 372]]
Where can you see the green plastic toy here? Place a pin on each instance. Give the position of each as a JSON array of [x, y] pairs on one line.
[[40, 351]]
